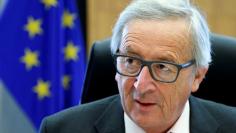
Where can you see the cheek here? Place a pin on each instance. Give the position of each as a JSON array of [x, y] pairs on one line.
[[125, 86], [171, 97], [177, 93], [182, 88]]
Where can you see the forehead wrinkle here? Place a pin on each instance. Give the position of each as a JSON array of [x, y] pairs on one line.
[[183, 48], [177, 44], [171, 53], [172, 50], [128, 40], [166, 53], [174, 43]]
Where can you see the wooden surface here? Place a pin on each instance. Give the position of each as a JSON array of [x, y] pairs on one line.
[[102, 14], [221, 15]]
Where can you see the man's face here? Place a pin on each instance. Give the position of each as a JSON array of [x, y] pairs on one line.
[[153, 105]]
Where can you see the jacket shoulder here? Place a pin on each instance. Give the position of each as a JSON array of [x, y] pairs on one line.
[[76, 119], [223, 114], [219, 109]]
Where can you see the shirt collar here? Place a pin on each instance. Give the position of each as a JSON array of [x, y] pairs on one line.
[[181, 125]]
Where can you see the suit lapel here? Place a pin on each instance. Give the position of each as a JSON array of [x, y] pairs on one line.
[[112, 119], [201, 121]]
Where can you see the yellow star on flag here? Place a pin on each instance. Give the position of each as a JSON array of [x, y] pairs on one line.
[[30, 59], [68, 19], [65, 81], [71, 51], [42, 89], [49, 3], [33, 27]]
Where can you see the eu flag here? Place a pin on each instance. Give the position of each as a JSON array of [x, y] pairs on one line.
[[42, 58]]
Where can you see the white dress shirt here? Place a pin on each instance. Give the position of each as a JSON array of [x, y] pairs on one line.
[[181, 125]]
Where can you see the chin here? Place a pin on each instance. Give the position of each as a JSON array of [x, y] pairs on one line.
[[143, 120]]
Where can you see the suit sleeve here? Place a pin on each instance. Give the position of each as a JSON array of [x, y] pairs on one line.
[[43, 126]]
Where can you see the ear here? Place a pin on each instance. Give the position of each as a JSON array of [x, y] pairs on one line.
[[199, 76]]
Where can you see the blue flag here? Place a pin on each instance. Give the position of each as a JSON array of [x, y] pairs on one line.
[[42, 56]]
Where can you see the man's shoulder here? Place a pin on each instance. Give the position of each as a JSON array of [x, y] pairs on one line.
[[217, 108], [95, 106], [83, 115], [92, 108], [223, 114]]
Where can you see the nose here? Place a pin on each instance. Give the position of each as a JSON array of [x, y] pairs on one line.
[[144, 82]]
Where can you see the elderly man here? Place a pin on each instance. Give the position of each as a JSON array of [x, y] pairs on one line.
[[161, 51]]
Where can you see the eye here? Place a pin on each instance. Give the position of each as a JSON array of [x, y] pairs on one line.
[[129, 60], [132, 64], [162, 67]]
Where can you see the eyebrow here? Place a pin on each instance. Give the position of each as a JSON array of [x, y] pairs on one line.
[[168, 58], [127, 50], [130, 51]]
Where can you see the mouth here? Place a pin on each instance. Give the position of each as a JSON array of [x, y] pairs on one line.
[[144, 106], [145, 103]]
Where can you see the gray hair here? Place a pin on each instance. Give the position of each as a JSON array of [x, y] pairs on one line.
[[162, 10]]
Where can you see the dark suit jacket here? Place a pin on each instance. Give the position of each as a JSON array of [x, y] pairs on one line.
[[106, 116]]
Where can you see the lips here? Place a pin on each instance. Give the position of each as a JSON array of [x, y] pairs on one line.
[[143, 103]]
